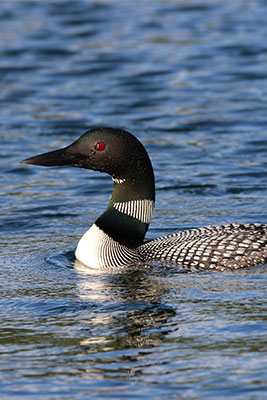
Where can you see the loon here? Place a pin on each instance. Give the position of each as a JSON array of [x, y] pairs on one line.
[[116, 238]]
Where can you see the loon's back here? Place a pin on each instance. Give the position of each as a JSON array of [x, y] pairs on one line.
[[117, 237], [224, 247]]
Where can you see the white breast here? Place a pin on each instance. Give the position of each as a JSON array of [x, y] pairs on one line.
[[97, 250]]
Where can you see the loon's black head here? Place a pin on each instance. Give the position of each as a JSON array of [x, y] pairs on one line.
[[114, 151], [102, 149]]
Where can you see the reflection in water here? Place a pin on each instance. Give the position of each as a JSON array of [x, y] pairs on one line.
[[130, 308]]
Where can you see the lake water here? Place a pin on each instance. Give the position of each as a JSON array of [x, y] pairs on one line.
[[189, 79]]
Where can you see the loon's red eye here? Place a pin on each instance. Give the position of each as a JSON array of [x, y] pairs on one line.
[[100, 146]]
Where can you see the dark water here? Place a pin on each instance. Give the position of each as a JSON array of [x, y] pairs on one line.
[[189, 78]]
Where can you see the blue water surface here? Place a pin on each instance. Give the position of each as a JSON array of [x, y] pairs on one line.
[[189, 79]]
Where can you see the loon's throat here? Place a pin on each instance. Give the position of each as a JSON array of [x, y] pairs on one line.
[[137, 185]]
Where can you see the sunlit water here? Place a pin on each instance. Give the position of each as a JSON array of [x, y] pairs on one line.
[[189, 79]]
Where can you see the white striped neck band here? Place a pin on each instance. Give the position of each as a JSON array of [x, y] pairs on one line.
[[139, 209]]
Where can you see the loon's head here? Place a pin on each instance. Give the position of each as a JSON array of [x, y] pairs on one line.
[[114, 151]]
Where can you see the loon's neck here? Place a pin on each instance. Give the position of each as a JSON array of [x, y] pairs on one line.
[[123, 225], [129, 212]]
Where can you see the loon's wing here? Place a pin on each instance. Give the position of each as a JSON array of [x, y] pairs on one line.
[[224, 247]]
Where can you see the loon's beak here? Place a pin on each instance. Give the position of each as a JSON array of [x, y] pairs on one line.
[[57, 158]]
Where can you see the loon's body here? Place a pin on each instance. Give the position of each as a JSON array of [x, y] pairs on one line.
[[117, 237]]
